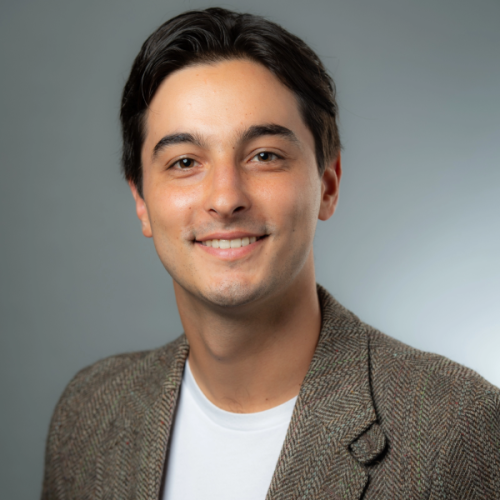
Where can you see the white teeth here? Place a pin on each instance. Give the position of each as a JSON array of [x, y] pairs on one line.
[[236, 243]]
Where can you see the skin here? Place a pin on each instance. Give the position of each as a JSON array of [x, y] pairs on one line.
[[227, 155]]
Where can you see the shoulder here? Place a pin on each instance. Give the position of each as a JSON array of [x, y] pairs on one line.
[[398, 369], [118, 384], [99, 401], [401, 375], [113, 373], [442, 420]]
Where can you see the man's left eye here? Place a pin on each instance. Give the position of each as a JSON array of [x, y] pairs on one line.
[[265, 157], [185, 163]]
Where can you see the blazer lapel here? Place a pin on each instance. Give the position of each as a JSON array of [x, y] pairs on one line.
[[158, 423], [333, 430], [132, 462]]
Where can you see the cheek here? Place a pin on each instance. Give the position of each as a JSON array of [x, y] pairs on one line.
[[171, 215], [294, 205]]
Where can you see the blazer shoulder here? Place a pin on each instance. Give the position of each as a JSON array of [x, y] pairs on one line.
[[102, 387], [441, 420], [101, 399], [114, 369], [391, 356]]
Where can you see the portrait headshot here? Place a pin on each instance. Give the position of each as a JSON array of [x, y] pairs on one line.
[[250, 251]]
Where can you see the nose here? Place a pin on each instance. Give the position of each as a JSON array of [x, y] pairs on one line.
[[227, 193]]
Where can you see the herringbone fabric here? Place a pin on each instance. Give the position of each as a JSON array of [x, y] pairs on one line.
[[374, 419]]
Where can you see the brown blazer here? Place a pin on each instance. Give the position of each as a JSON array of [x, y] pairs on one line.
[[374, 419]]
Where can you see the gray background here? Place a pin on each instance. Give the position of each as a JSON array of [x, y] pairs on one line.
[[413, 249]]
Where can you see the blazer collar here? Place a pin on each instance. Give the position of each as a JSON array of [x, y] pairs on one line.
[[333, 430]]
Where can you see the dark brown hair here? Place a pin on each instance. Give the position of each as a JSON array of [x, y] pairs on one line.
[[217, 34]]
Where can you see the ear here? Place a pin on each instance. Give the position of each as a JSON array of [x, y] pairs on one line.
[[330, 182], [141, 211]]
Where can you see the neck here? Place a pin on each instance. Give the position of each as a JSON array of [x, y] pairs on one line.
[[256, 358]]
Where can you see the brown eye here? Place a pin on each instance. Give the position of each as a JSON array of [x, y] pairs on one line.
[[265, 157], [186, 163]]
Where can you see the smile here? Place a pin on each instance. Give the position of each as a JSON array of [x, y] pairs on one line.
[[231, 248], [236, 243]]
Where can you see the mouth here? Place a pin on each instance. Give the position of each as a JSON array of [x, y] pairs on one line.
[[231, 247], [225, 244]]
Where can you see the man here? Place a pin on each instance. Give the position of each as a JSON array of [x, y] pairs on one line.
[[275, 391]]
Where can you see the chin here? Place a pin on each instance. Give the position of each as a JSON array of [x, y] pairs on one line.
[[232, 294]]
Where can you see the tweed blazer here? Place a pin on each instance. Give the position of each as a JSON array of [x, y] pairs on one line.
[[374, 419]]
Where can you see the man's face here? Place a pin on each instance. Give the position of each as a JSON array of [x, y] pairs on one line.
[[231, 190]]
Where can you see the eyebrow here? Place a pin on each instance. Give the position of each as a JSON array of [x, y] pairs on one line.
[[256, 131], [172, 139], [253, 132]]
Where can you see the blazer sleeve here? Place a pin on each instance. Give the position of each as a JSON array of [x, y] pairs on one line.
[[468, 465], [60, 431]]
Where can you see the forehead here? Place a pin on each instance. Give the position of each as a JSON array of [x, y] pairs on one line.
[[221, 100]]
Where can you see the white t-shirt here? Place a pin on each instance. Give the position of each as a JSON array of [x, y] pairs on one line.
[[219, 455]]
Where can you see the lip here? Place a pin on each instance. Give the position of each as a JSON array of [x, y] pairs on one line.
[[229, 236], [231, 254]]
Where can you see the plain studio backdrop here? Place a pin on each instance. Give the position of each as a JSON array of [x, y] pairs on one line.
[[413, 248]]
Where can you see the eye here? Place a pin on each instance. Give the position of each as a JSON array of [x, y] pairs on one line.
[[184, 163], [266, 157]]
